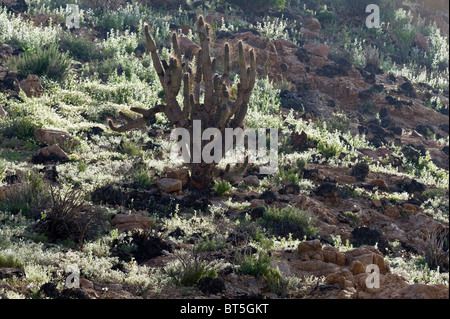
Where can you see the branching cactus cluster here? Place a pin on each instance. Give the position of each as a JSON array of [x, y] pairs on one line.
[[206, 94]]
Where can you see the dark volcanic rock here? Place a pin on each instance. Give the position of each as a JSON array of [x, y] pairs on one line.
[[360, 171], [268, 196], [108, 194], [208, 285], [367, 236], [332, 71], [328, 190]]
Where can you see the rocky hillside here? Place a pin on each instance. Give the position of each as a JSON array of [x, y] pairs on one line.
[[363, 154]]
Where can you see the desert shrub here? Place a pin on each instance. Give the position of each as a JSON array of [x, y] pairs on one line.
[[436, 245], [21, 127], [123, 17], [257, 265], [208, 244], [23, 34], [291, 174], [283, 221], [80, 48], [29, 198], [48, 62], [103, 5], [189, 269], [280, 285], [106, 68], [129, 148], [259, 5], [144, 178], [222, 187], [325, 15], [69, 217], [372, 57], [328, 150], [9, 260], [404, 31]]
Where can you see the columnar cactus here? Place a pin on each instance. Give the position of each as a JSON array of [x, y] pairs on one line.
[[217, 110]]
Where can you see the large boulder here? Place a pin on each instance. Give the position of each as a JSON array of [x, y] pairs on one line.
[[313, 25], [50, 154], [318, 49], [50, 137], [169, 185], [31, 86], [5, 52], [125, 222]]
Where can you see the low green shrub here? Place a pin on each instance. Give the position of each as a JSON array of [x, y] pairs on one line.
[[80, 48], [283, 221], [259, 5], [48, 62], [222, 187]]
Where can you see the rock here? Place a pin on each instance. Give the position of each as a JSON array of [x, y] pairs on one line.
[[299, 140], [309, 245], [15, 6], [338, 277], [211, 286], [421, 42], [318, 49], [313, 25], [360, 171], [50, 154], [308, 34], [181, 174], [61, 138], [188, 47], [367, 236], [258, 211], [5, 52], [316, 267], [421, 291], [333, 255], [280, 44], [257, 202], [377, 203], [9, 83], [349, 293], [381, 184], [410, 208], [251, 180], [125, 222], [357, 268], [31, 86], [87, 284], [169, 185]]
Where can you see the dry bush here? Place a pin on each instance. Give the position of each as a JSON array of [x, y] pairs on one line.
[[105, 4], [372, 57], [70, 217], [436, 253]]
